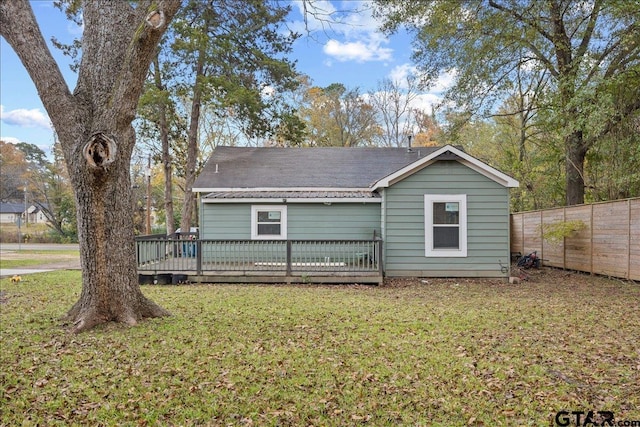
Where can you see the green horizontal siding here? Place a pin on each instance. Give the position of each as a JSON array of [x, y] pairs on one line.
[[487, 223], [339, 221], [306, 221], [225, 221]]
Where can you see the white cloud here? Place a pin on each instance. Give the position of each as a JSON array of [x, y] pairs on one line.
[[22, 117], [268, 91], [445, 81], [399, 74], [358, 19], [357, 51], [316, 16], [426, 101], [9, 139], [351, 30]]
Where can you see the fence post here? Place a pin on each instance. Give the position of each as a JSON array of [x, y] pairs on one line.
[[591, 240], [288, 258], [541, 237], [628, 239], [564, 240], [522, 233]]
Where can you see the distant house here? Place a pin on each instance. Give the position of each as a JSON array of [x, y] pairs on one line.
[[10, 212], [36, 215], [438, 211]]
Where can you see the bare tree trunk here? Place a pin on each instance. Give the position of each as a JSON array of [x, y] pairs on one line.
[[166, 156], [94, 127], [192, 148]]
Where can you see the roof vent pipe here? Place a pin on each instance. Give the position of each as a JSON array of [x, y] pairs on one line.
[[216, 168], [409, 142]]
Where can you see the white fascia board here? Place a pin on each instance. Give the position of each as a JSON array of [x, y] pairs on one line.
[[467, 160], [491, 173], [327, 200], [275, 189]]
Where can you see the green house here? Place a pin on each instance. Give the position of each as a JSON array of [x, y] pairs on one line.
[[438, 211]]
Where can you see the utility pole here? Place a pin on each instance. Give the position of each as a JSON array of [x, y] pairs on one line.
[[26, 208]]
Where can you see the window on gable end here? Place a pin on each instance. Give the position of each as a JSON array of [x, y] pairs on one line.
[[445, 224]]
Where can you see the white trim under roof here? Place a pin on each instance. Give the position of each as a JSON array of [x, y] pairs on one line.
[[467, 160], [274, 189], [326, 200]]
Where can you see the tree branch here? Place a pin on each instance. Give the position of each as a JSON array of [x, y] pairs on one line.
[[546, 61], [588, 33], [121, 73], [521, 18], [19, 27]]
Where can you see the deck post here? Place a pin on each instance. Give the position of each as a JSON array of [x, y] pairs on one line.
[[199, 257], [379, 256], [288, 257]]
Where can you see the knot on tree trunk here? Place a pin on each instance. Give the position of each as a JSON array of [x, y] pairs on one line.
[[100, 150], [155, 19]]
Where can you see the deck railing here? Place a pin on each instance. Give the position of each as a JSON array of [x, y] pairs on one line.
[[247, 256]]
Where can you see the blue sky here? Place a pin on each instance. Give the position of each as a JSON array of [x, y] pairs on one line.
[[351, 52]]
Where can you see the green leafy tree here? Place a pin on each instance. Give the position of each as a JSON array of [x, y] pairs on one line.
[[28, 174], [56, 198], [223, 67], [590, 52], [159, 118], [13, 165], [335, 116], [614, 164]]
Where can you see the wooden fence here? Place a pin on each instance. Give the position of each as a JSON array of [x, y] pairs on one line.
[[608, 244]]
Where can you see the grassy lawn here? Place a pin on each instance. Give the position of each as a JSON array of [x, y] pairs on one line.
[[442, 353]]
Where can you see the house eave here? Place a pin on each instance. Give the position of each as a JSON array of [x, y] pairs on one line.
[[326, 196], [275, 189], [323, 200]]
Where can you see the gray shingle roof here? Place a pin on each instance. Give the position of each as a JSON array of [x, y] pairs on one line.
[[286, 168], [15, 208]]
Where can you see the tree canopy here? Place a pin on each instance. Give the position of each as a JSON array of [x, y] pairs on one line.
[[587, 55]]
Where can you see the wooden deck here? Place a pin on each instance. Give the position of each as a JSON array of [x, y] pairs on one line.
[[286, 261]]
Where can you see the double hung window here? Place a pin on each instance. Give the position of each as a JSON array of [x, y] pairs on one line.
[[268, 222], [445, 225]]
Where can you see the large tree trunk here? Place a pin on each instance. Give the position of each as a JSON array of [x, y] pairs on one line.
[[94, 127], [576, 153], [108, 254]]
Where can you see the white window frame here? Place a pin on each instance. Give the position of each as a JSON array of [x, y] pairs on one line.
[[254, 222], [429, 200]]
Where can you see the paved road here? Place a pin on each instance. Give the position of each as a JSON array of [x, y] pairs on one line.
[[10, 272], [14, 247], [38, 246]]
